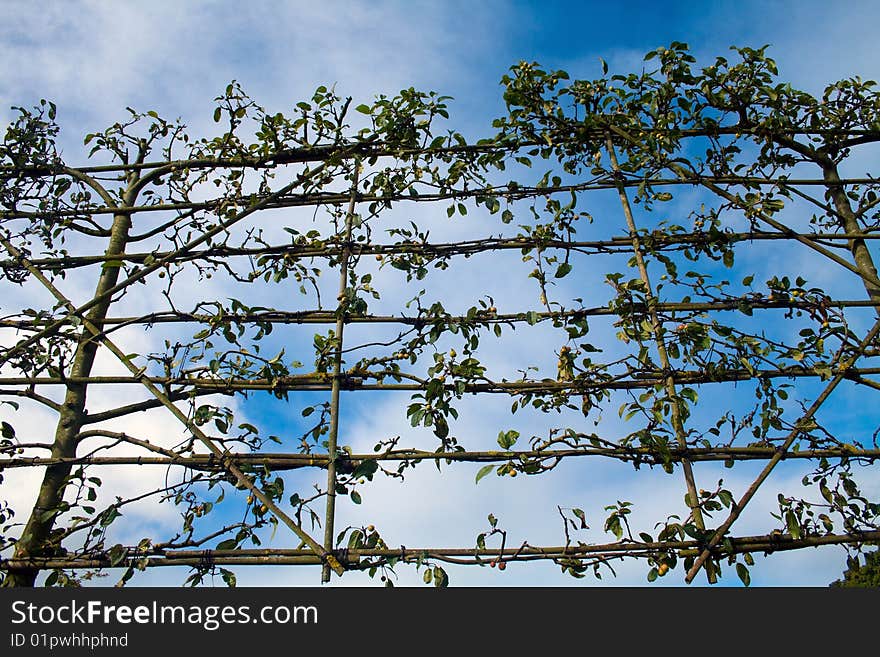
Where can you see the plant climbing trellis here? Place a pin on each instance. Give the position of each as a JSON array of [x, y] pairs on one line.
[[671, 174]]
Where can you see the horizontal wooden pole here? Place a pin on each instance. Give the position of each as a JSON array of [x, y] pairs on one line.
[[321, 152], [331, 248], [356, 381], [351, 559], [318, 199], [485, 317], [290, 461]]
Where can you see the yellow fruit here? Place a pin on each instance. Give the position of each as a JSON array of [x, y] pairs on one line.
[[662, 569], [371, 528], [250, 499]]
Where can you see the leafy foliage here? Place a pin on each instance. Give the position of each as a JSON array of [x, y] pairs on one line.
[[861, 575]]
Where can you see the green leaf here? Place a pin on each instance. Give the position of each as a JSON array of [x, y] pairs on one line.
[[108, 516], [428, 577], [355, 539], [613, 525], [217, 114], [228, 577], [689, 394], [441, 579], [486, 469], [743, 574], [355, 497], [791, 522], [363, 109], [506, 439], [365, 469], [116, 554], [563, 270], [726, 498]]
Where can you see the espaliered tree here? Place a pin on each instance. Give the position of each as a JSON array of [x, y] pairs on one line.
[[675, 174]]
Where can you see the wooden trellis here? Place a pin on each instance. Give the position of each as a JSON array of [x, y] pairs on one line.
[[674, 336]]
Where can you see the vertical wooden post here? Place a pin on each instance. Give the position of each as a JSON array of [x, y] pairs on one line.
[[332, 437]]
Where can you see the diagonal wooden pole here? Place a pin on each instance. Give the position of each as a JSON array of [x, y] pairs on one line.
[[780, 454], [864, 269], [222, 456], [663, 355]]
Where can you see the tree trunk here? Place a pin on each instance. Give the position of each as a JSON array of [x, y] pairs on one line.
[[38, 537], [850, 224]]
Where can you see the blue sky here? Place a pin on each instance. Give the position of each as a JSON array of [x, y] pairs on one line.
[[95, 58]]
